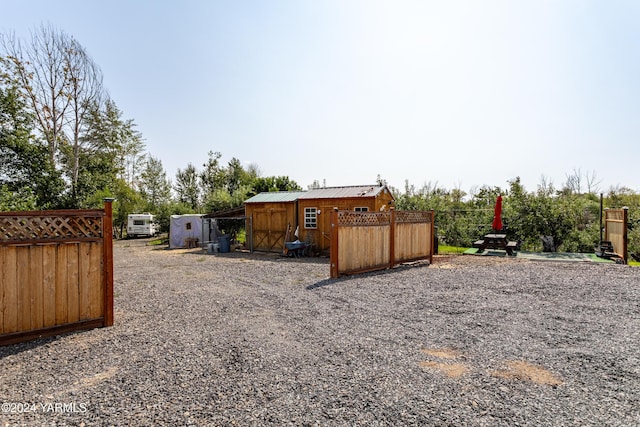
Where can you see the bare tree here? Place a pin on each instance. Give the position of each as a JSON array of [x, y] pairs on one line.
[[574, 182], [593, 182], [546, 186], [84, 91], [62, 84], [39, 69]]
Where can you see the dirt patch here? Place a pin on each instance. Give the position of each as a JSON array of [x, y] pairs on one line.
[[451, 370], [442, 353], [525, 371]]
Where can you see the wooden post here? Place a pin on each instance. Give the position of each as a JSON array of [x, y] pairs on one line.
[[432, 239], [107, 238], [625, 234], [392, 238], [333, 249]]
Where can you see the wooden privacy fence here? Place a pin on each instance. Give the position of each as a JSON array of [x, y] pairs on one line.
[[615, 231], [56, 272], [367, 241]]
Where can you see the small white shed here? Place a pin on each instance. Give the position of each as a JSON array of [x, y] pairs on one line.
[[186, 231]]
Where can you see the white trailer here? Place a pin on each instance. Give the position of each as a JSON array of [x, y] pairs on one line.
[[142, 224]]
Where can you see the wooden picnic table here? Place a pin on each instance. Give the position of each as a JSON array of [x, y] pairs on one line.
[[496, 241]]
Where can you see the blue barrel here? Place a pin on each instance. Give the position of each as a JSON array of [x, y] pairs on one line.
[[225, 243]]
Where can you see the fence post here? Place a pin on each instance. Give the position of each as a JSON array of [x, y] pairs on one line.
[[333, 249], [107, 238], [392, 238], [625, 234], [433, 236]]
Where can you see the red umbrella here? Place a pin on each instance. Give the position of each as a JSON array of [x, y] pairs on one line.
[[497, 216]]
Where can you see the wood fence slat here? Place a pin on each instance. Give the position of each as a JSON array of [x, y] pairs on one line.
[[73, 280], [49, 283], [2, 286], [36, 287], [84, 285], [62, 302], [24, 299], [10, 290], [96, 282]]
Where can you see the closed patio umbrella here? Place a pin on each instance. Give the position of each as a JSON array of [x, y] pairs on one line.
[[497, 215]]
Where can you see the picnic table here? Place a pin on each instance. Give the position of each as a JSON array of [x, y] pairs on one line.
[[496, 241]]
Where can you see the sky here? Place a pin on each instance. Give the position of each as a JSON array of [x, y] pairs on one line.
[[457, 93]]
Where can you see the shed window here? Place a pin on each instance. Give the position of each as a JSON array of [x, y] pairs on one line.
[[310, 218], [361, 209]]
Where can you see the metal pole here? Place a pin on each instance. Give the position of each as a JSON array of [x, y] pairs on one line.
[[600, 218]]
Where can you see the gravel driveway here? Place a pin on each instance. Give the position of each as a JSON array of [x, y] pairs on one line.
[[240, 339]]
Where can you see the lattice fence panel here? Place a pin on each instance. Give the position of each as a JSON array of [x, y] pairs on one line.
[[363, 219], [414, 217], [26, 228]]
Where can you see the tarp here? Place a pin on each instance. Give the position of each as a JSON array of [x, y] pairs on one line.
[[183, 227]]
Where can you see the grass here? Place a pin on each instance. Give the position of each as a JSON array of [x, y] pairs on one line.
[[444, 250], [159, 241]]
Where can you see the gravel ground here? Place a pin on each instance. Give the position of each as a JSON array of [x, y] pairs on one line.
[[239, 339]]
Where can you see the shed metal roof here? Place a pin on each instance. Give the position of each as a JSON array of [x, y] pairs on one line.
[[276, 196], [343, 192]]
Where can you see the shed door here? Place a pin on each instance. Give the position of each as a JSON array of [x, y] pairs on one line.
[[269, 229]]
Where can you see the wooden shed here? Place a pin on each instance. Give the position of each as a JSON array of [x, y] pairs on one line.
[[268, 217], [270, 214]]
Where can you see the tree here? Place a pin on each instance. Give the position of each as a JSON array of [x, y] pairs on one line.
[[274, 183], [213, 176], [61, 83], [127, 201], [187, 188], [37, 67], [108, 131], [574, 182], [155, 188], [24, 166], [20, 200], [62, 86], [534, 216], [84, 92], [236, 176], [593, 182]]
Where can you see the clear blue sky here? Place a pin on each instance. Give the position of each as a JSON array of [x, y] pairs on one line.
[[459, 93]]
